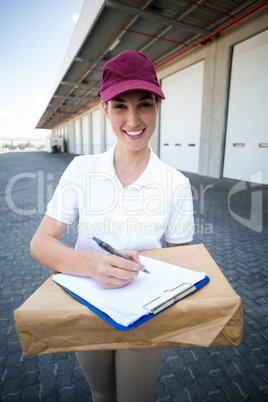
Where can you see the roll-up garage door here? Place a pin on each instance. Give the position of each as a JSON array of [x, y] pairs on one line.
[[96, 132], [246, 148], [85, 135], [181, 111], [77, 131]]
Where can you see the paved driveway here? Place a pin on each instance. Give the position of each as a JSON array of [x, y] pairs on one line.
[[231, 220]]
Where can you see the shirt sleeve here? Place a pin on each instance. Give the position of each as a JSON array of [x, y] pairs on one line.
[[180, 228], [64, 204]]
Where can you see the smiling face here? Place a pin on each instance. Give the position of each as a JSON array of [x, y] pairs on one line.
[[133, 118]]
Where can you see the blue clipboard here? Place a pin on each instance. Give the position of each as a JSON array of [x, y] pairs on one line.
[[143, 319]]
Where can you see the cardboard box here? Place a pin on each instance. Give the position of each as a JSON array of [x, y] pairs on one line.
[[52, 321]]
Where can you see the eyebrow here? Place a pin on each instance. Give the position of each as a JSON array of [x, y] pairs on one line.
[[149, 96]]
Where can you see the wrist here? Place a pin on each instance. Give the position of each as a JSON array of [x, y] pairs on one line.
[[86, 263]]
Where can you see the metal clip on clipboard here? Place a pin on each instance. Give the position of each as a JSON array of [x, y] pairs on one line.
[[155, 306]]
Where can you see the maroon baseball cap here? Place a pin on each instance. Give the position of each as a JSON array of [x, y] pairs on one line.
[[128, 71]]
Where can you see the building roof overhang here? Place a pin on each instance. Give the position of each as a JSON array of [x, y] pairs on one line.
[[162, 29]]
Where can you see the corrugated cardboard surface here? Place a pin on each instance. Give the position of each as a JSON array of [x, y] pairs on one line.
[[52, 321]]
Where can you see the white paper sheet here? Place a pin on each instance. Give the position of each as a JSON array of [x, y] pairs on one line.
[[126, 305]]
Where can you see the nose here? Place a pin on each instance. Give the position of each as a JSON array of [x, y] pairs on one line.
[[133, 119]]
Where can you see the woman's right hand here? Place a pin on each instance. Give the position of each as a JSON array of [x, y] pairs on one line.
[[110, 271]]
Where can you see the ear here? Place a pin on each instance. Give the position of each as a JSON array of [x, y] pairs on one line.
[[105, 109]]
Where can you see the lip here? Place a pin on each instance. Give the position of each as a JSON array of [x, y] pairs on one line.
[[134, 137]]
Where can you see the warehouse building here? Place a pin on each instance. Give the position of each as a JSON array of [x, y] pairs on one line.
[[211, 59]]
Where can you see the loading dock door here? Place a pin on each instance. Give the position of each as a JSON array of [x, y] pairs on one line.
[[77, 131], [246, 149], [96, 132], [180, 126], [85, 135]]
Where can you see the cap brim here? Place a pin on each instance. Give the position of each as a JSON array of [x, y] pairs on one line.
[[130, 85]]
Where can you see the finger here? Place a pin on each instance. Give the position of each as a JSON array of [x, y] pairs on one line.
[[114, 266], [112, 282], [112, 260], [108, 275], [127, 265], [133, 254], [122, 274]]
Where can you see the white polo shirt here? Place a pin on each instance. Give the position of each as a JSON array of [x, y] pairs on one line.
[[158, 203]]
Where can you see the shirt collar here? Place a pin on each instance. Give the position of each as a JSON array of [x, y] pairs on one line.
[[148, 175]]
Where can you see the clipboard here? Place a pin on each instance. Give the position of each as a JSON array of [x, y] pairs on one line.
[[154, 312]]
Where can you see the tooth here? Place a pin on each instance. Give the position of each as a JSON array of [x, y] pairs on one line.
[[133, 133]]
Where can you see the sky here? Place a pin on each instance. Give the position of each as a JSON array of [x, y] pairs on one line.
[[34, 36]]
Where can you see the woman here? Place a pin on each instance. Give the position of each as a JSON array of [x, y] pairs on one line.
[[129, 199]]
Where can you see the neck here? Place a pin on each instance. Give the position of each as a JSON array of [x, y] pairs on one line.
[[129, 159], [129, 165]]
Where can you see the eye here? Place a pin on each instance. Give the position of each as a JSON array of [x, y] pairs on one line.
[[145, 104], [119, 106]]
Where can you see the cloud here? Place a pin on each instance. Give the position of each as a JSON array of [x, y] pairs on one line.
[[75, 17], [5, 112]]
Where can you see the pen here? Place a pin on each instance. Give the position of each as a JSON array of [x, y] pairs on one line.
[[111, 250]]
